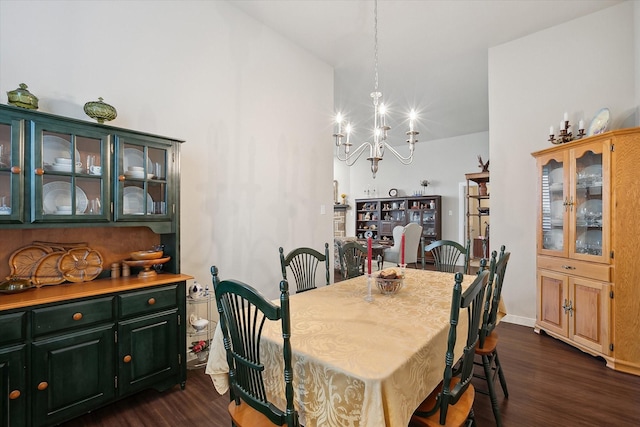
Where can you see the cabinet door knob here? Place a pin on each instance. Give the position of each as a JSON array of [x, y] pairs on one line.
[[151, 301], [14, 394], [121, 177], [43, 385], [39, 171], [16, 169], [127, 358], [77, 316]]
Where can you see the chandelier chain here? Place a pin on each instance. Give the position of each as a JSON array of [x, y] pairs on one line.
[[375, 44]]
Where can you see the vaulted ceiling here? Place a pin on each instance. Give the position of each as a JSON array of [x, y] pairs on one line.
[[433, 55]]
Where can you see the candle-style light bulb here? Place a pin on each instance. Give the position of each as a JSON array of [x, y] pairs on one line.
[[383, 118], [412, 118], [348, 130], [339, 122]]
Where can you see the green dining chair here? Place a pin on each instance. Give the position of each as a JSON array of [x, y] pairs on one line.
[[451, 403], [243, 312], [446, 254], [487, 347], [352, 256], [303, 263]]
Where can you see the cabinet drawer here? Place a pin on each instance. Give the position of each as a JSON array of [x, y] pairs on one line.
[[72, 315], [12, 327], [148, 301], [601, 272]]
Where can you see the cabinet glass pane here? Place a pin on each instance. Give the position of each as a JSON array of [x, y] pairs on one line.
[[90, 150], [588, 204], [60, 197], [136, 200], [5, 169], [553, 206]]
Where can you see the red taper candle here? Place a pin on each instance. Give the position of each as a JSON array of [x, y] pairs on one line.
[[369, 255]]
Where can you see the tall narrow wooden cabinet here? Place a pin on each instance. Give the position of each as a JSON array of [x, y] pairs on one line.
[[588, 246], [477, 207]]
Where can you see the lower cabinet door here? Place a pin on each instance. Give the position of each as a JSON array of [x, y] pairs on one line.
[[72, 374], [149, 354], [13, 387]]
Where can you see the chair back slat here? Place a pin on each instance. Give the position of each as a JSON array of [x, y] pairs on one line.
[[303, 263], [491, 319], [447, 253], [352, 256], [243, 313]]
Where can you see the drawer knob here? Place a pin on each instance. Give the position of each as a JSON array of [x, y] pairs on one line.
[[127, 358], [43, 385], [14, 394], [77, 316], [151, 301]]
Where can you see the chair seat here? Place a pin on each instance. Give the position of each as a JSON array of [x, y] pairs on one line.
[[244, 415], [456, 414], [490, 344]]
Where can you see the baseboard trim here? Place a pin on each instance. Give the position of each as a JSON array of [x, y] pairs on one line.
[[519, 320]]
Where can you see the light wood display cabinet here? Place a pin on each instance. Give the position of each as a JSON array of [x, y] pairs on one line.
[[588, 247]]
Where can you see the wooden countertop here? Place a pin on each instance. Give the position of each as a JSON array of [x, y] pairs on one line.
[[67, 291]]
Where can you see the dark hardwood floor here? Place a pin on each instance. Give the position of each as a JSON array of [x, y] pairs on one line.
[[550, 384]]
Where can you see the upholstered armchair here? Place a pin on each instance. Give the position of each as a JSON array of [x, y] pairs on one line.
[[412, 234]]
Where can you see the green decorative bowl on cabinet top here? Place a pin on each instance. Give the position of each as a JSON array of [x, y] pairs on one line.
[[100, 111], [21, 97]]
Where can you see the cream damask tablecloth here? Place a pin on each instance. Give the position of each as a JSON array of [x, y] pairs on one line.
[[358, 363]]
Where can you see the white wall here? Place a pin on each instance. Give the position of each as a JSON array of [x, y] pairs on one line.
[[253, 108], [442, 162], [577, 67]]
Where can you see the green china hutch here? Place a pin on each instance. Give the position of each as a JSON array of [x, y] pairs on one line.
[[69, 348]]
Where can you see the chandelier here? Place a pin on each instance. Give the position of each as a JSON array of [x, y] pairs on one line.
[[379, 143]]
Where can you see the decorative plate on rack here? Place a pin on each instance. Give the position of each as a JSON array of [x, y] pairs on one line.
[[368, 234], [132, 201], [135, 157], [58, 193], [54, 146], [599, 123]]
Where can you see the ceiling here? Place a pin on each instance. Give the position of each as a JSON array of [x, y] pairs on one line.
[[432, 55]]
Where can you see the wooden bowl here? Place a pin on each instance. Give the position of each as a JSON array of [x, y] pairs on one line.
[[144, 255]]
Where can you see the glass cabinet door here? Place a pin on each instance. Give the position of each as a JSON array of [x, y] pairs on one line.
[[589, 204], [554, 205], [11, 169], [142, 185], [70, 173]]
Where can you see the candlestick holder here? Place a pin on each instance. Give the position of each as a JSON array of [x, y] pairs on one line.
[[402, 269], [564, 135], [368, 297]]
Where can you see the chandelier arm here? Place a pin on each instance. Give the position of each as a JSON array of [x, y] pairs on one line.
[[355, 154], [404, 160]]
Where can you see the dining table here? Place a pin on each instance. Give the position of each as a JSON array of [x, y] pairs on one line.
[[358, 361]]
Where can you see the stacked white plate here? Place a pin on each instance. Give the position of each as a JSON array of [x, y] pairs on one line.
[[57, 167]]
